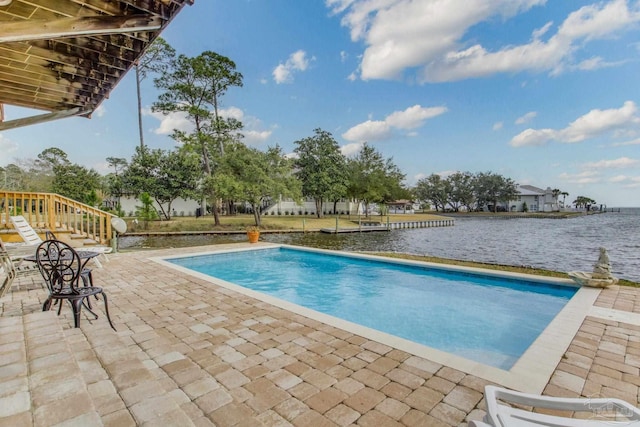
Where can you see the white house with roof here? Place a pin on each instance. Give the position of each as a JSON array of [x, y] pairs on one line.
[[536, 199]]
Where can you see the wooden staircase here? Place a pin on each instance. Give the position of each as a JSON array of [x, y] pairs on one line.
[[62, 215]]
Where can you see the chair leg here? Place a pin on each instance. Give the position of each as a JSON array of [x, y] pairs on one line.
[[47, 304], [76, 304], [106, 310]]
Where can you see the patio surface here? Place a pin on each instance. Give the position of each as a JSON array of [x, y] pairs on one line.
[[191, 353]]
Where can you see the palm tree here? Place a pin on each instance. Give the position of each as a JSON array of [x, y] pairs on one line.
[[555, 192]]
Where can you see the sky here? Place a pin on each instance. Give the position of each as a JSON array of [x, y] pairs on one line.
[[546, 93]]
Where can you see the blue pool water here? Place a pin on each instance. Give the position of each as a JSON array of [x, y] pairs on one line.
[[490, 320]]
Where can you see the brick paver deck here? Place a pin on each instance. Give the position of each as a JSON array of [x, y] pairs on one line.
[[190, 353]]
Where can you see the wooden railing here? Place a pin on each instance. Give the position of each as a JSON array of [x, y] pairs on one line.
[[55, 212]]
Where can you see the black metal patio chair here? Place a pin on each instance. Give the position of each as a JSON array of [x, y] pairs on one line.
[[61, 268], [86, 276]]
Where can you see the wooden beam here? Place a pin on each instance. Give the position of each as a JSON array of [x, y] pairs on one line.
[[41, 118], [74, 27]]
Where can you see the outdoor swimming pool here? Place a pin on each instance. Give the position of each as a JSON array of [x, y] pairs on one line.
[[490, 320]]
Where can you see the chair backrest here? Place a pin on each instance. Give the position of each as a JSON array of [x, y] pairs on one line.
[[59, 265], [8, 271], [25, 230]]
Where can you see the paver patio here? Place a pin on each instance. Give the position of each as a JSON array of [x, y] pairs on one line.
[[191, 353]]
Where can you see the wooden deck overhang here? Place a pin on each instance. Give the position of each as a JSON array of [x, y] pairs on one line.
[[64, 57]]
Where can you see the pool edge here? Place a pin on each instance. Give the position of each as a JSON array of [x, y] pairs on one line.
[[529, 374]]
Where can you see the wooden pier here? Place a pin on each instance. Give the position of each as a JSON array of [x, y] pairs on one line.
[[368, 227]]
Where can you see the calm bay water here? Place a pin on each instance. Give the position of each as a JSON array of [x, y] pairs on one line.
[[553, 244]]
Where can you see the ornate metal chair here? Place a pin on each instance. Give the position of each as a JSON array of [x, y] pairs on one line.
[[87, 277], [61, 268]]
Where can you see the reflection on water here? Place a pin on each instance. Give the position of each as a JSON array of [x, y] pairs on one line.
[[554, 244]]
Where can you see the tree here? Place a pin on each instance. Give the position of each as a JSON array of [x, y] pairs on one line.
[[555, 193], [76, 182], [254, 176], [372, 179], [51, 157], [156, 59], [491, 188], [433, 189], [114, 183], [564, 195], [163, 175], [146, 212], [583, 202], [194, 86], [460, 188], [39, 172], [13, 177], [321, 168]]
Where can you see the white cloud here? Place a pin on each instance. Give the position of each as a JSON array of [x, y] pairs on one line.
[[498, 125], [625, 143], [368, 131], [413, 117], [618, 178], [430, 36], [533, 137], [526, 118], [7, 147], [627, 181], [254, 137], [586, 177], [417, 177], [634, 182], [595, 63], [170, 122], [594, 123], [447, 173], [297, 61], [622, 162], [408, 119], [351, 149], [343, 56], [253, 134]]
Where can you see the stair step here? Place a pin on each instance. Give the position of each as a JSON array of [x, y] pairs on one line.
[[89, 242]]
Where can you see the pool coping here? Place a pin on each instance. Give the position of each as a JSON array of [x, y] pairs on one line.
[[529, 374]]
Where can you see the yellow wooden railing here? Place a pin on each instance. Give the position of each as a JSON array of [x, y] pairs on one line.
[[55, 212]]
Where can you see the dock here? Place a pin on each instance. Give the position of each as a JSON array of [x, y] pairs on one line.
[[367, 227], [355, 229]]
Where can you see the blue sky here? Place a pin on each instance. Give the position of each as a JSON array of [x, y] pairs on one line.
[[544, 92]]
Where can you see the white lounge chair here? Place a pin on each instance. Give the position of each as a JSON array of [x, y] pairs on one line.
[[7, 271], [600, 412], [32, 240]]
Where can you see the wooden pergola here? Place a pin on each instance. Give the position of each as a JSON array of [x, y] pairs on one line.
[[65, 56]]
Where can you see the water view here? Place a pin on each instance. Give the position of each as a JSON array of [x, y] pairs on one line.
[[554, 244]]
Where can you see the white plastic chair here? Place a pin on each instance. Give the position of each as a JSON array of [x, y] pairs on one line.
[[604, 412]]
